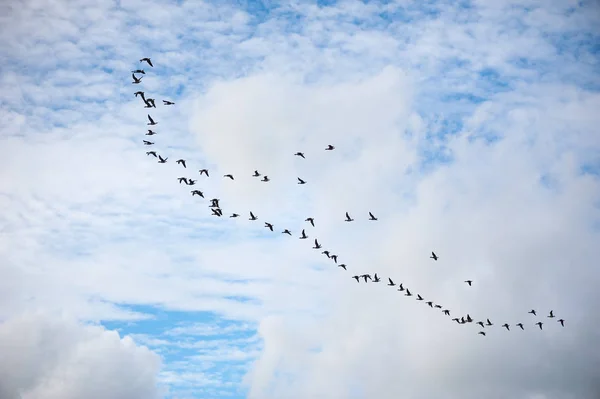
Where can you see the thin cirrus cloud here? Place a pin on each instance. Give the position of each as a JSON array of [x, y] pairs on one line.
[[466, 129]]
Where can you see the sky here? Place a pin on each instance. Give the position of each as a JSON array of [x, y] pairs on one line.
[[467, 128]]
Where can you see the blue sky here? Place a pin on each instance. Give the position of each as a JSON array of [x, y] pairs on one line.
[[468, 128]]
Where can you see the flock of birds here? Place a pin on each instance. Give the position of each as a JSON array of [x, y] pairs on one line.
[[216, 210]]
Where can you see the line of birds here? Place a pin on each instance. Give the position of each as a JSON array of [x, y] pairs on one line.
[[216, 210]]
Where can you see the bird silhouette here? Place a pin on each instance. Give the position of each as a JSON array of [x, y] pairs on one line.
[[317, 245], [165, 102], [183, 180], [506, 326], [419, 297], [234, 215], [376, 278], [446, 312], [286, 231], [147, 142], [147, 60], [203, 171], [334, 257], [256, 174], [151, 153], [371, 217], [551, 315], [300, 181], [343, 266], [408, 292], [191, 182], [391, 283], [311, 220], [197, 192], [136, 80], [433, 256], [532, 312], [348, 218], [151, 123], [162, 160], [539, 324], [252, 217], [400, 287], [468, 282], [357, 278], [300, 154], [562, 322], [265, 178], [150, 133], [139, 71], [269, 225], [181, 162], [303, 236], [366, 276], [430, 304], [481, 324], [520, 325], [489, 323], [329, 148], [217, 212], [482, 333], [326, 253], [229, 176]]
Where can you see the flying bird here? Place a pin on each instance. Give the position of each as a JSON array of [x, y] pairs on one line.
[[151, 153], [150, 133], [204, 171], [217, 212], [334, 257], [433, 256], [303, 236], [551, 315], [506, 326], [252, 217], [437, 306], [562, 322], [366, 276], [140, 93], [149, 103], [468, 282], [139, 71], [286, 231], [343, 266], [376, 278], [446, 312], [197, 192], [183, 180], [311, 220], [520, 325], [165, 102], [469, 319], [481, 324], [348, 218], [371, 217], [162, 160], [191, 182], [391, 283], [317, 245], [136, 80], [326, 253], [256, 174], [269, 225], [147, 60], [408, 293], [265, 178], [151, 123], [532, 312], [419, 297], [181, 162], [329, 148], [482, 333], [357, 278], [539, 324], [214, 202], [300, 181], [234, 215], [430, 304], [489, 323], [230, 176], [400, 287], [147, 142], [456, 320], [300, 154]]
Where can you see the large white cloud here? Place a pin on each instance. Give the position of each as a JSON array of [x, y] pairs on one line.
[[49, 357]]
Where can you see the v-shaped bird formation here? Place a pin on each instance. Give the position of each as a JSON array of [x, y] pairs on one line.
[[216, 211]]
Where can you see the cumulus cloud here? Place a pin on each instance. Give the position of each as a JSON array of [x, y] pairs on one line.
[[57, 357]]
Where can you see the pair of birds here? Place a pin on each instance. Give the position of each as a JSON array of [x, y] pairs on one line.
[[349, 219], [149, 102]]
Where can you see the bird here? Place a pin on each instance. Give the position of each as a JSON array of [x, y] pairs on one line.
[[391, 283], [408, 292], [162, 160], [300, 181], [348, 218], [446, 312], [326, 253], [191, 182], [147, 60], [437, 306], [256, 174], [234, 215], [343, 266], [147, 142], [317, 245], [456, 320], [136, 80], [286, 231], [551, 315], [430, 304], [300, 154], [139, 93], [334, 257], [357, 278], [150, 133], [151, 123], [376, 278], [303, 236], [489, 323], [265, 178], [183, 180], [151, 153], [481, 324], [469, 319], [230, 176], [197, 192], [182, 162], [482, 333], [165, 102], [506, 326], [468, 282], [462, 320], [214, 202], [520, 325], [539, 324], [371, 217], [532, 312], [252, 217], [139, 71], [366, 276], [217, 212], [562, 322], [433, 256], [419, 297], [400, 287], [203, 171], [311, 220], [269, 225], [149, 103], [329, 148]]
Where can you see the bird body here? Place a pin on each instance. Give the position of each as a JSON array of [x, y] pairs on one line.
[[252, 217], [300, 181], [162, 160], [300, 154], [269, 226], [147, 60], [303, 236]]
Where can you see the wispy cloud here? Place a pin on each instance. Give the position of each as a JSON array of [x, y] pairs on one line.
[[467, 128]]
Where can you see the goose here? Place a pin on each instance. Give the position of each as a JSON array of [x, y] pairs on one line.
[[317, 245], [520, 325], [371, 217], [376, 278], [481, 324], [482, 333], [343, 266], [469, 319], [329, 148], [139, 71], [191, 182], [446, 312], [437, 306], [400, 287], [252, 217], [256, 174], [391, 283], [181, 162], [551, 315], [234, 215], [214, 202], [151, 123], [230, 176], [462, 320], [147, 142], [348, 218], [430, 304], [468, 282], [539, 324], [419, 297], [265, 178], [300, 181], [269, 225], [366, 276], [489, 323], [532, 312], [165, 102], [217, 212], [357, 278], [183, 180], [136, 80], [150, 133], [162, 160], [203, 171], [326, 253], [303, 236], [456, 320], [562, 322], [286, 231], [408, 293], [197, 192], [334, 257], [433, 256], [506, 326], [311, 221], [147, 60], [300, 154], [151, 153]]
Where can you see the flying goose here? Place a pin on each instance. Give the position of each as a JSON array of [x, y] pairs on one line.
[[147, 60], [204, 171], [376, 278], [391, 283], [217, 212], [303, 236], [357, 278], [343, 266], [269, 225], [562, 322], [433, 256], [136, 80], [183, 180], [191, 182], [300, 154], [468, 282], [419, 297], [300, 181], [165, 102], [151, 153], [139, 93], [482, 333], [371, 217], [311, 220], [506, 326], [400, 287], [256, 174], [469, 319], [481, 324], [437, 306], [230, 176], [265, 178], [532, 311], [539, 324], [286, 231], [551, 314], [214, 202], [520, 325], [197, 192], [149, 103], [334, 257], [162, 160], [317, 245], [456, 320], [348, 218], [252, 217], [150, 133], [326, 253], [489, 323], [329, 148], [430, 304], [182, 162], [408, 293], [366, 276], [147, 142], [446, 312], [139, 71], [151, 123], [234, 215]]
